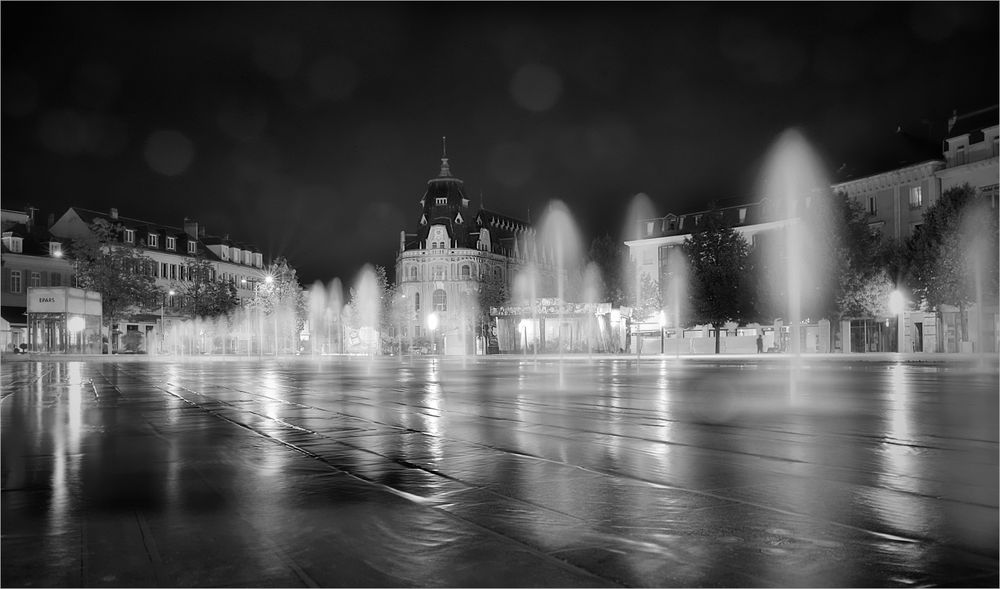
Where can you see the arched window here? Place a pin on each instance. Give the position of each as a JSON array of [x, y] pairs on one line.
[[466, 272], [416, 301], [413, 272], [440, 300]]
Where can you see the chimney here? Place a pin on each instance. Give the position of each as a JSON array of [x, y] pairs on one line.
[[191, 227], [114, 213]]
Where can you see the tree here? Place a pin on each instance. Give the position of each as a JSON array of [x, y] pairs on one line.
[[611, 257], [202, 295], [720, 279], [952, 259], [115, 269], [280, 298], [493, 292]]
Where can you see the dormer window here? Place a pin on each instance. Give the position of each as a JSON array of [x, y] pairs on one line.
[[224, 252], [13, 243], [258, 260], [153, 240], [441, 200], [247, 257], [171, 243], [129, 236], [55, 249], [192, 247]]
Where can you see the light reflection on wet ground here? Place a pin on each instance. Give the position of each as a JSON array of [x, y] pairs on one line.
[[508, 472]]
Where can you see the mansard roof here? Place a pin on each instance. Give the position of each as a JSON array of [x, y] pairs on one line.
[[975, 121]]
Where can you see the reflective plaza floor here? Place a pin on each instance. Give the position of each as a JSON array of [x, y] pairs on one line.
[[499, 472]]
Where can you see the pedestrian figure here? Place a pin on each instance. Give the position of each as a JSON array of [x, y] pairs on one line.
[[760, 343]]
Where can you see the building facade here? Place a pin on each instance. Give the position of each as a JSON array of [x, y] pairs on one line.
[[30, 258], [170, 250], [455, 264]]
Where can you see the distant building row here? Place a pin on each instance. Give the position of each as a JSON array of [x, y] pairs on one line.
[[895, 194], [33, 255]]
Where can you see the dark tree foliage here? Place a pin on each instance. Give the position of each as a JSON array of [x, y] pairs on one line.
[[721, 283], [203, 295], [953, 258], [611, 257], [117, 270]]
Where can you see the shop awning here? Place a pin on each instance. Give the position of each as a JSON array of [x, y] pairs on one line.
[[16, 316]]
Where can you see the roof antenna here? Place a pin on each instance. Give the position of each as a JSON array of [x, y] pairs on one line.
[[444, 147]]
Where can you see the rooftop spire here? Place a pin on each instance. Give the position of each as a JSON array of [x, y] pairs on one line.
[[445, 169]]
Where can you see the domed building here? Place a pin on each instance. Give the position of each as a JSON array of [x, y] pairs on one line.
[[457, 264]]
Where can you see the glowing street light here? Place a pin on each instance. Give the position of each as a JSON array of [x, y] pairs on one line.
[[524, 328], [163, 324], [432, 324], [662, 318], [896, 306]]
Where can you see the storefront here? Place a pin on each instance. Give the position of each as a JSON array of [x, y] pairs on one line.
[[64, 320]]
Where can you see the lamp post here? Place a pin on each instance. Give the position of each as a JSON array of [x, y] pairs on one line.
[[896, 306], [663, 319], [524, 329], [432, 323], [269, 281], [163, 324]]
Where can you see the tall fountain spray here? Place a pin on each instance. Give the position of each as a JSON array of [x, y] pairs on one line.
[[559, 237], [368, 310], [793, 177]]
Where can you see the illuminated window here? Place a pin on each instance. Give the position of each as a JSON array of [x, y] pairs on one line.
[[440, 300], [441, 200], [916, 198], [55, 249]]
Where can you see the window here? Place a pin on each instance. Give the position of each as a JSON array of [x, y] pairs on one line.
[[743, 215], [976, 136], [413, 272], [163, 269], [173, 271], [172, 243], [466, 272], [129, 236], [258, 260], [153, 240], [416, 301], [440, 300], [649, 227], [180, 272], [15, 281], [15, 244], [438, 273], [872, 205], [916, 198], [55, 279], [441, 200], [247, 254], [960, 155], [192, 247], [55, 249], [35, 280], [224, 252]]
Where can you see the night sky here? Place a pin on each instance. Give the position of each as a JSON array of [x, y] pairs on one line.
[[311, 129]]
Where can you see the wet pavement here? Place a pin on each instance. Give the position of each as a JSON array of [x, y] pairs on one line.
[[499, 472]]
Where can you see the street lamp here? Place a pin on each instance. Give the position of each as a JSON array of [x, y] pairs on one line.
[[432, 324], [524, 328], [896, 306], [163, 325], [663, 321]]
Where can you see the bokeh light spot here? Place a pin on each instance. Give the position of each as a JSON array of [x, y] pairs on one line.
[[20, 94], [332, 78], [536, 87], [169, 152], [278, 56], [511, 164]]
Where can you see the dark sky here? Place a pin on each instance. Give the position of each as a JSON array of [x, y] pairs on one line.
[[311, 129]]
